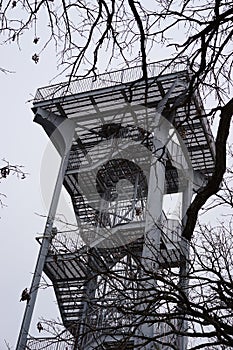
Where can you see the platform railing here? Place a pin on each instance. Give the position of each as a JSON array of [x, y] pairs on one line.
[[71, 241], [66, 242], [49, 344], [110, 79], [107, 320]]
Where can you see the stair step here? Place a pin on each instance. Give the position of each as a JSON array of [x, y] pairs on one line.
[[65, 293], [75, 316], [63, 297], [69, 298], [65, 267], [71, 283], [70, 273], [69, 287], [73, 309]]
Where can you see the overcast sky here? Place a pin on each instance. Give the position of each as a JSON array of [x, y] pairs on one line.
[[22, 142]]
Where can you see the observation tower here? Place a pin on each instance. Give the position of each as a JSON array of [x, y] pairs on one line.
[[133, 152]]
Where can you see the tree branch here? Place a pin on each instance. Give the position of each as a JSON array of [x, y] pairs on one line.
[[142, 37], [214, 183]]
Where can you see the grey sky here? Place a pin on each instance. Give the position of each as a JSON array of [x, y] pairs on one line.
[[22, 142]]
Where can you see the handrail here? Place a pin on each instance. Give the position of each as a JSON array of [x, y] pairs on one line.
[[48, 344], [109, 79], [71, 241], [66, 242]]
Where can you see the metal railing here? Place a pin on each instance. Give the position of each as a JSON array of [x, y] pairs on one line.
[[107, 320], [110, 79], [49, 344], [71, 241], [66, 242]]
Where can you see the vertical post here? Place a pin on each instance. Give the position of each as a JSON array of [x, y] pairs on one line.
[[66, 130], [151, 248], [184, 262], [21, 345], [135, 196]]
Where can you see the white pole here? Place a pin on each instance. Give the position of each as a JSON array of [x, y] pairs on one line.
[[66, 129]]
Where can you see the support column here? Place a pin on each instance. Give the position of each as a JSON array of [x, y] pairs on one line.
[[151, 248], [182, 323], [66, 130]]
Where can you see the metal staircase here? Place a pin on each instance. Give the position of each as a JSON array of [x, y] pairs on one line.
[[72, 275]]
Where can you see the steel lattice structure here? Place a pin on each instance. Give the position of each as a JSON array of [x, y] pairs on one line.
[[125, 143]]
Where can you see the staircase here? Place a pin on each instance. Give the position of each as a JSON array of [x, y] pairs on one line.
[[74, 277], [71, 298], [68, 272]]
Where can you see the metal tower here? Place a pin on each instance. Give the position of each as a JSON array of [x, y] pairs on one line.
[[128, 146]]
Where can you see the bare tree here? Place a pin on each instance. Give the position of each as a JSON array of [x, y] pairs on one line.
[[128, 33], [128, 295], [7, 170]]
